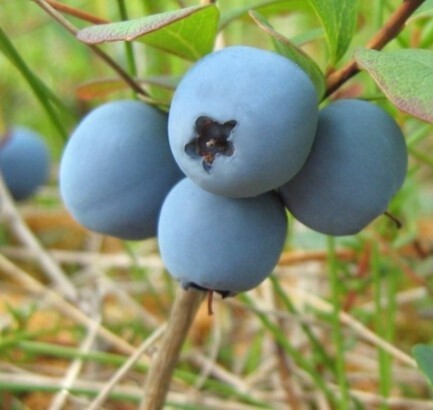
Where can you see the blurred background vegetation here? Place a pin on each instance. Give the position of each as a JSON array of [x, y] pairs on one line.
[[335, 326]]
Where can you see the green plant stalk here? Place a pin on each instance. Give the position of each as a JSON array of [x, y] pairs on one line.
[[71, 353], [11, 341], [110, 359], [389, 328], [130, 57], [316, 344], [297, 357], [379, 11], [49, 387], [337, 334], [427, 35], [421, 156], [384, 322], [38, 89], [379, 322], [156, 62], [419, 134], [44, 88], [140, 274]]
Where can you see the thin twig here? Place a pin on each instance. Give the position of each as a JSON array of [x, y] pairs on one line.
[[354, 324], [15, 221], [33, 286], [297, 256], [387, 32], [219, 372], [104, 393], [158, 379], [102, 260], [80, 14], [74, 370], [105, 57]]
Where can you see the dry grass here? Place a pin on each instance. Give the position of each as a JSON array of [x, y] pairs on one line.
[[58, 352]]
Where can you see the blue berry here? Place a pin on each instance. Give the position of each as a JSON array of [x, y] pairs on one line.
[[212, 242], [24, 162], [357, 163], [117, 169], [242, 121]]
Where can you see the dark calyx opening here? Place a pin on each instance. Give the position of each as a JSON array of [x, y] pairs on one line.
[[224, 293], [211, 140]]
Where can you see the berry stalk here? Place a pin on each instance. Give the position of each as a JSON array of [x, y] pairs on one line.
[[388, 32], [158, 379]]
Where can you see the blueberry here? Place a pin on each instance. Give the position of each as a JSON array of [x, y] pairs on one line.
[[117, 169], [212, 242], [357, 163], [24, 162], [242, 121]]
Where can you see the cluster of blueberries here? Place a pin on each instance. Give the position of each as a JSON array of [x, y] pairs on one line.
[[244, 141]]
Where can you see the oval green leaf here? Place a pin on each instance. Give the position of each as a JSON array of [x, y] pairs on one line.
[[286, 48], [338, 18], [404, 76], [188, 33]]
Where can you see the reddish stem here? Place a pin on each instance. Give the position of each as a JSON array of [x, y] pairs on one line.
[[82, 15], [388, 32]]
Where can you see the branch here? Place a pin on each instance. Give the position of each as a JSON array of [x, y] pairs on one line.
[[82, 15], [16, 223], [388, 32], [158, 378], [105, 57], [31, 285], [126, 367]]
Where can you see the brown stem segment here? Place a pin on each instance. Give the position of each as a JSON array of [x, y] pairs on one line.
[[394, 219], [388, 32], [105, 57], [158, 378], [64, 8]]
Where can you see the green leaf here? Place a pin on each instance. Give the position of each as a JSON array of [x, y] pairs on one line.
[[289, 50], [424, 357], [189, 32], [405, 77], [307, 37], [338, 18]]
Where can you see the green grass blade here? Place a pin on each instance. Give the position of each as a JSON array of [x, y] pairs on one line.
[[34, 82], [317, 346], [337, 333], [385, 319], [294, 354], [130, 58], [111, 359]]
